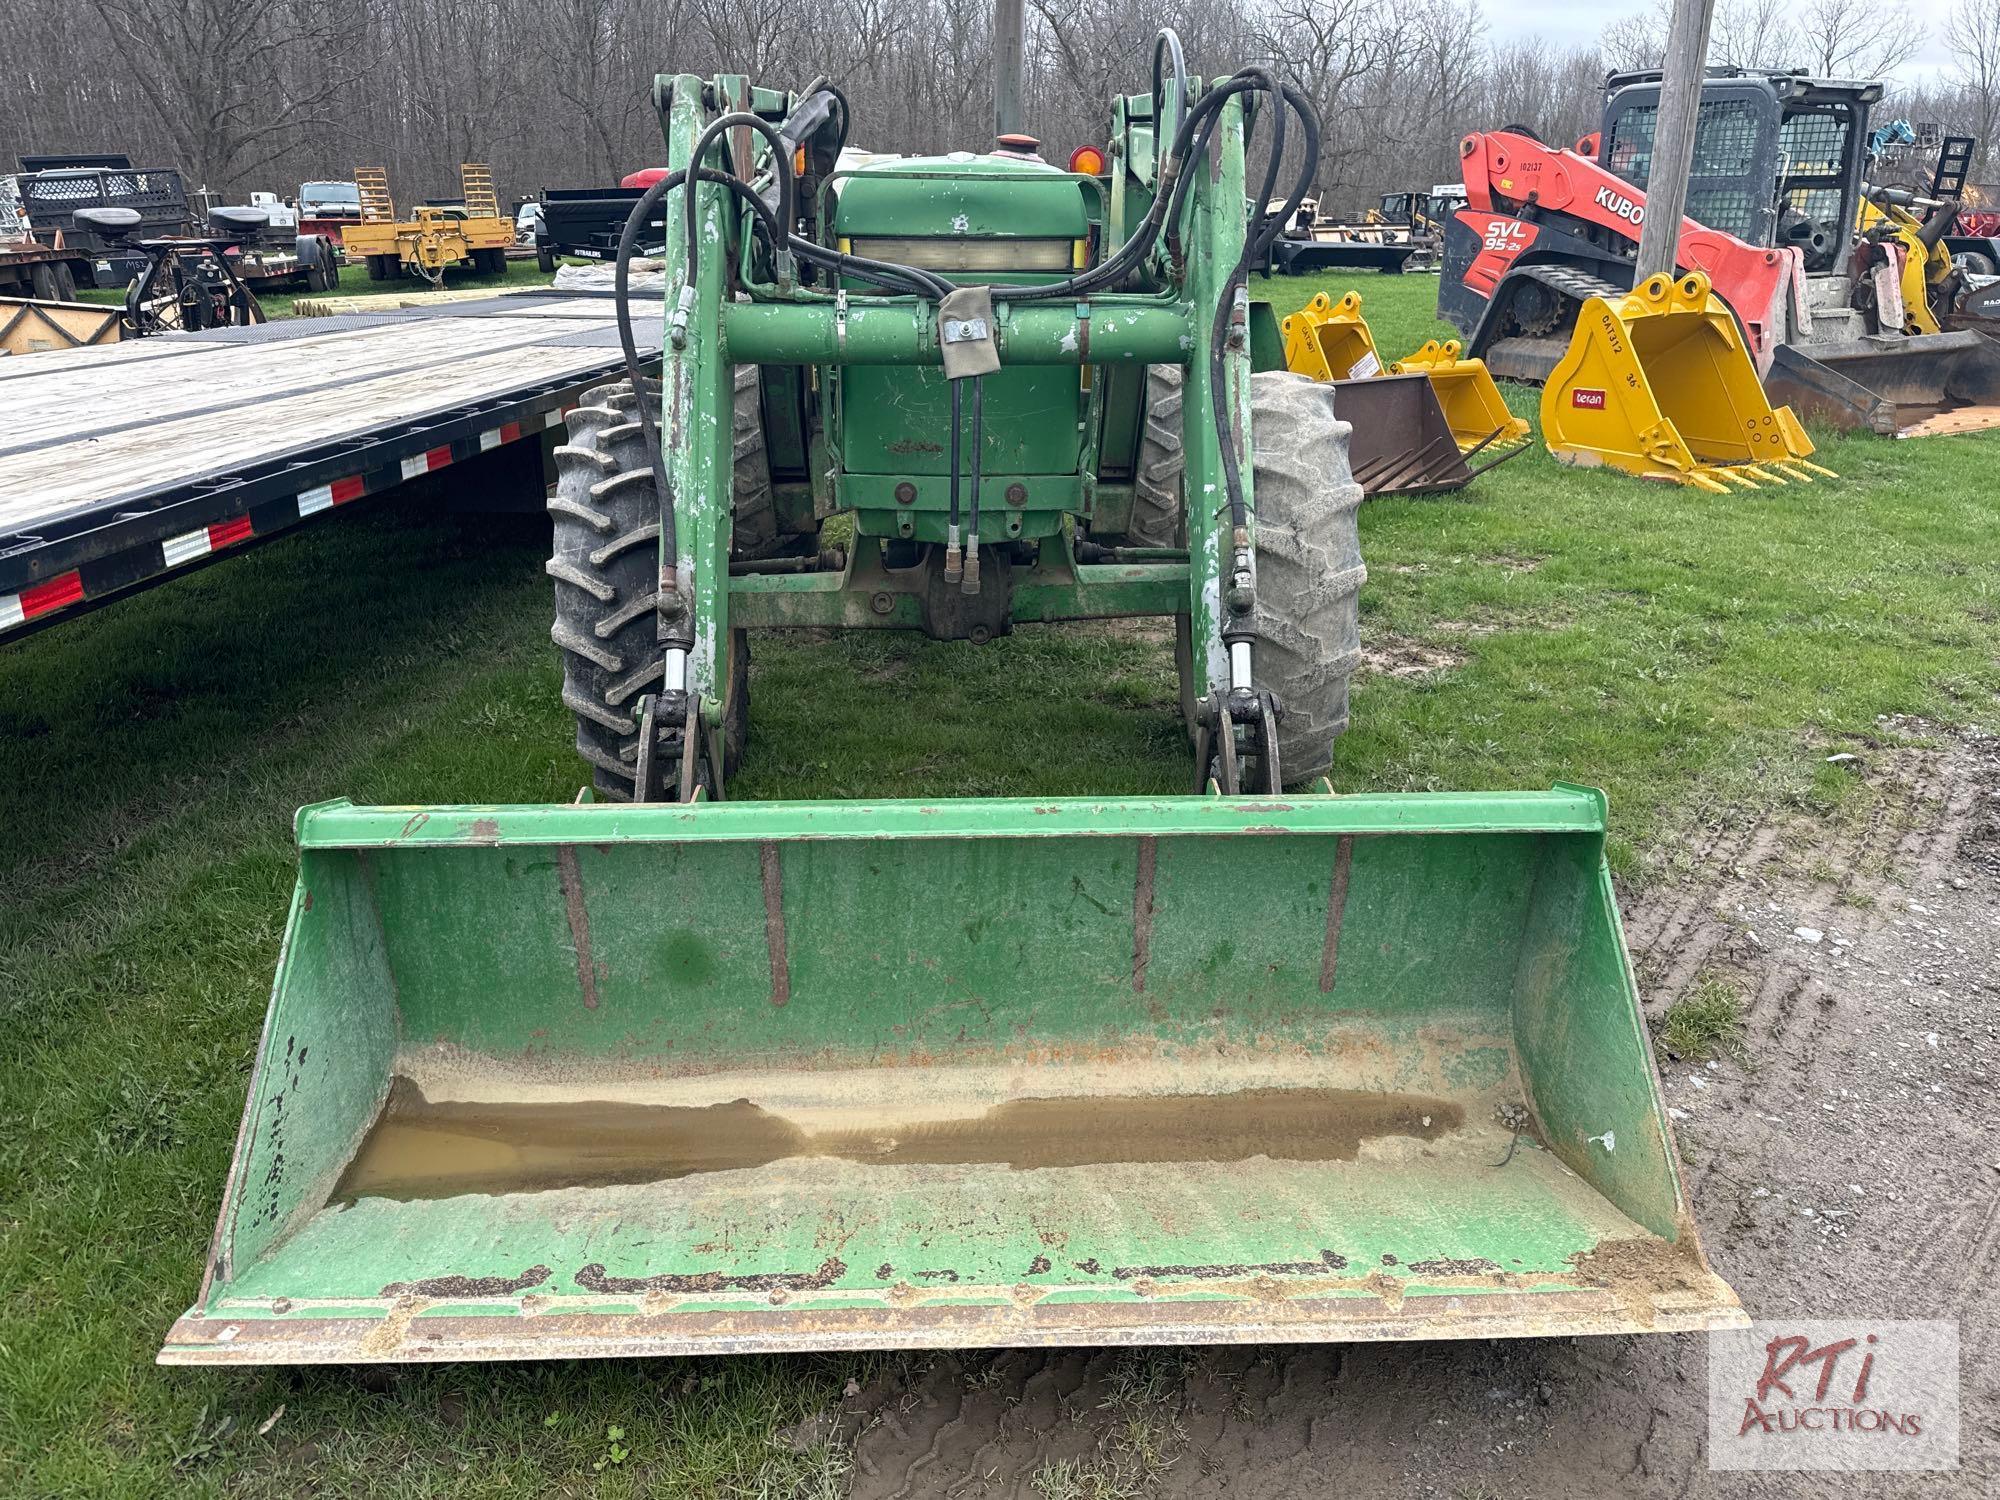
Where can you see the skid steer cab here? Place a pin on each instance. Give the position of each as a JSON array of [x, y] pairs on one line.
[[666, 1071]]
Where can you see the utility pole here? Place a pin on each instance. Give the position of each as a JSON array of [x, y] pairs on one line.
[[1007, 30], [1673, 136]]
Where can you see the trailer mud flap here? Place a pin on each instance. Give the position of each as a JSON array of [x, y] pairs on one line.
[[617, 1080]]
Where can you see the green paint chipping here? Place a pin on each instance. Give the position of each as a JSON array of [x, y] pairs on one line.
[[762, 1076]]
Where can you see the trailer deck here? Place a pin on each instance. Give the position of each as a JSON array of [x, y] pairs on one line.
[[122, 465]]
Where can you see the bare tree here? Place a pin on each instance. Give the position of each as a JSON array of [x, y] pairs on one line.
[[1972, 37], [234, 83], [1856, 38], [1754, 34]]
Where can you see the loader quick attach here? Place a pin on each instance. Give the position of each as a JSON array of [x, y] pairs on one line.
[[670, 1072]]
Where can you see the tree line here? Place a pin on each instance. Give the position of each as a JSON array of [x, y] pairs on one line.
[[264, 94]]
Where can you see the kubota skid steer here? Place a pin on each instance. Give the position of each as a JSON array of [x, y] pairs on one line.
[[1773, 203], [674, 1073]]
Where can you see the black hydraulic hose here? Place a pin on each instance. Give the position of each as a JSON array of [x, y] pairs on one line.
[[971, 582], [781, 155], [954, 567], [1255, 245]]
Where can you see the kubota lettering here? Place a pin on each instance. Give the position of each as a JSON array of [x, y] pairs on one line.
[[1612, 201]]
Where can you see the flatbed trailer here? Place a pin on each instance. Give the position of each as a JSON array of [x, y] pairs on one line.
[[124, 465]]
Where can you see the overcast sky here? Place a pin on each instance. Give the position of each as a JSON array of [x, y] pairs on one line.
[[1571, 22]]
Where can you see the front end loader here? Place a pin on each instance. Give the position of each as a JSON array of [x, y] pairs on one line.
[[665, 1071]]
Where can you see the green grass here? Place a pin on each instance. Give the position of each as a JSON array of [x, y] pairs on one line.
[[1697, 656], [1705, 1022]]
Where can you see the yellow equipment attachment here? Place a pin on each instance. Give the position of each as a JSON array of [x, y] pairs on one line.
[[1660, 384], [1330, 340], [1923, 270], [1466, 391]]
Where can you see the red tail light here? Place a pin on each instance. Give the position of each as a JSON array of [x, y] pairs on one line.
[[1088, 160]]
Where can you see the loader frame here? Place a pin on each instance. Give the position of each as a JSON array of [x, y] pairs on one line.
[[733, 318]]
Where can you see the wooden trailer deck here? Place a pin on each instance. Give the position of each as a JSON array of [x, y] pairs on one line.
[[120, 465]]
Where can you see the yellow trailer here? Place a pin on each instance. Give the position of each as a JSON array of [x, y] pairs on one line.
[[472, 232]]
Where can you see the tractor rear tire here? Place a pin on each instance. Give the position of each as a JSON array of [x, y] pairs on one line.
[[605, 564], [754, 528], [1309, 568]]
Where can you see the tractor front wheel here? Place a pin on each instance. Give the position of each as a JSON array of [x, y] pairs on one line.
[[1309, 568], [606, 509]]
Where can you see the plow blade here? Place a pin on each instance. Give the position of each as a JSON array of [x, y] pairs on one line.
[[1902, 385], [614, 1080], [1659, 383], [1468, 396]]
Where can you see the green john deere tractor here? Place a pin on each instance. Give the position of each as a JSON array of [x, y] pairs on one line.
[[664, 1071]]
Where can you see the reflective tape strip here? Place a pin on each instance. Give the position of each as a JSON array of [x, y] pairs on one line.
[[186, 548], [229, 533], [41, 599]]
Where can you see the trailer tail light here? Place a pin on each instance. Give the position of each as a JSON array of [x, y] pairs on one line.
[[1087, 160]]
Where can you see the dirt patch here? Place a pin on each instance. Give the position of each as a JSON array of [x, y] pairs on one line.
[[1404, 656], [1847, 1164]]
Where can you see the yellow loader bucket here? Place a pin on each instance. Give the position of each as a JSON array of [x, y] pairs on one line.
[[1330, 340], [1467, 394], [1660, 384]]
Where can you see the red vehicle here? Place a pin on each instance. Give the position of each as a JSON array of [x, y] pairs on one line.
[[325, 208], [1777, 185]]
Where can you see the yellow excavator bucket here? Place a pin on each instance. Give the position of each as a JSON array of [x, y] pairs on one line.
[[1660, 384], [1466, 391], [1330, 340]]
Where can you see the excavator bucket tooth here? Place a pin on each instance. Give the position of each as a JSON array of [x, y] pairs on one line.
[[615, 1079], [1897, 385], [1660, 383], [1468, 396], [1330, 340]]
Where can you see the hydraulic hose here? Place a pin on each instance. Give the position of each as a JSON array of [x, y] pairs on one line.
[[1193, 131]]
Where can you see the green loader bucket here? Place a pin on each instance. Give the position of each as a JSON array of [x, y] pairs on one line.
[[605, 1079]]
